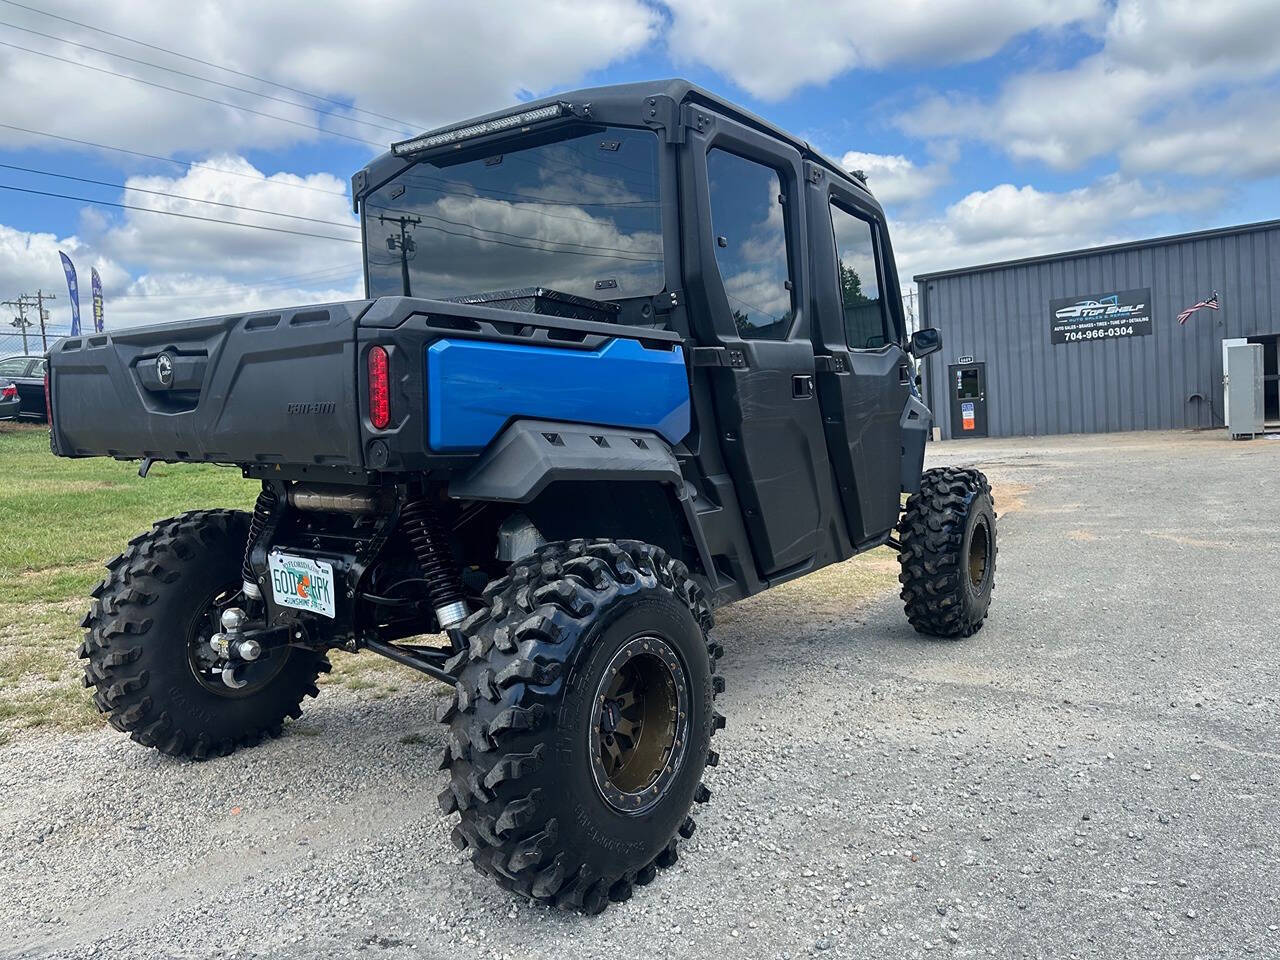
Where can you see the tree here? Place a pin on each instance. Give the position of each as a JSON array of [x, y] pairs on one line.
[[851, 287]]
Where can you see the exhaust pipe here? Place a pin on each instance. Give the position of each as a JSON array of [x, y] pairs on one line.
[[333, 498]]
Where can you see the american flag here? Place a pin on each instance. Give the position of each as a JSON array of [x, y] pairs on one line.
[[1211, 303]]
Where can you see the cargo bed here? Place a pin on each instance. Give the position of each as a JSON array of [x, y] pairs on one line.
[[285, 387]]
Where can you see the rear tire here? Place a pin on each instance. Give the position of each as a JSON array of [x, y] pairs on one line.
[[155, 603], [948, 555], [581, 641]]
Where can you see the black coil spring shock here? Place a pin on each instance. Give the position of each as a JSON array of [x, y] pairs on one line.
[[421, 524], [262, 512]]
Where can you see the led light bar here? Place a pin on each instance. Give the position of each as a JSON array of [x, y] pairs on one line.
[[456, 135]]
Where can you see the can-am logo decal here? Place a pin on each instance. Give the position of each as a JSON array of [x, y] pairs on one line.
[[1101, 316]]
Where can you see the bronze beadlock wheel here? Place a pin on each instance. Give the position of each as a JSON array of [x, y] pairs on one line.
[[948, 549], [147, 654], [581, 723], [639, 724], [980, 554]]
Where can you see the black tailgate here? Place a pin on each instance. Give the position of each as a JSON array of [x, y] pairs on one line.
[[276, 387]]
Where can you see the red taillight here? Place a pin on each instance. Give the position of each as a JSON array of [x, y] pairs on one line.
[[8, 391], [379, 388], [48, 400]]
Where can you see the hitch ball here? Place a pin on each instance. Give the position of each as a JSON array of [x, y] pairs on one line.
[[233, 619]]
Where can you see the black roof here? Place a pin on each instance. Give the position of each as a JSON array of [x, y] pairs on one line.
[[681, 91], [1107, 248]]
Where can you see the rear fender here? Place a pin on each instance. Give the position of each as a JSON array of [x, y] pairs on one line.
[[542, 462]]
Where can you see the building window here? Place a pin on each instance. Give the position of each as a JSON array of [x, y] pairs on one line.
[[751, 244], [866, 325]]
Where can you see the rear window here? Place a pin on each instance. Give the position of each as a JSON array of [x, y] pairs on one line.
[[580, 215]]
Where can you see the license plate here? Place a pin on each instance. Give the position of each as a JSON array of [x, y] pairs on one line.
[[302, 583]]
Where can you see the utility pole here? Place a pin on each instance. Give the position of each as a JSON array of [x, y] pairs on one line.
[[404, 243], [42, 316], [41, 297], [909, 310], [20, 321]]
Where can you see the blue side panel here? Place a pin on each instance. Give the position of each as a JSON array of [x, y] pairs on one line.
[[475, 387]]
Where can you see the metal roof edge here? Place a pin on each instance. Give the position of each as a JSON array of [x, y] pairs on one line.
[[1106, 248]]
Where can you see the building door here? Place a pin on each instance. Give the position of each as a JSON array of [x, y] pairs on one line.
[[968, 399]]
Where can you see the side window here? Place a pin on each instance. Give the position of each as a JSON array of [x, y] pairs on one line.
[[866, 325], [14, 367], [751, 244]]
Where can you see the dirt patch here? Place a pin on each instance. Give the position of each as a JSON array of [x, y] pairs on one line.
[[824, 595], [1009, 496], [1084, 536]]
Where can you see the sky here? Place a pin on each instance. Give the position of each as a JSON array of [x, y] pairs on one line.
[[989, 129]]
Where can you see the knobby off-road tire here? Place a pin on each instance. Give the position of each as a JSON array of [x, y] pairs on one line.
[[158, 595], [948, 555], [522, 721]]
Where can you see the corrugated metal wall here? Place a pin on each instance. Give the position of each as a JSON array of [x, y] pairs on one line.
[[1000, 316]]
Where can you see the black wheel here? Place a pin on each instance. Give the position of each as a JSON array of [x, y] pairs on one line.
[[149, 661], [582, 722], [948, 555]]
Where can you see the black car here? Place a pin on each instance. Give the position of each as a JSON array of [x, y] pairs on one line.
[[9, 402], [27, 373]]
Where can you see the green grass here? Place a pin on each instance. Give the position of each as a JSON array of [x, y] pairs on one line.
[[60, 520]]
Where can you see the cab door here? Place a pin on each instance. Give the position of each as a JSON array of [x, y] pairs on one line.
[[863, 373], [746, 280]]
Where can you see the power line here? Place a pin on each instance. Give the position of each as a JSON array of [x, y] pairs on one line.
[[188, 93], [514, 236], [174, 213], [176, 196], [181, 163], [209, 63], [192, 76], [328, 275], [317, 236], [330, 223]]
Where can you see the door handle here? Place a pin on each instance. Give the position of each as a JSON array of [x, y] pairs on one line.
[[801, 386]]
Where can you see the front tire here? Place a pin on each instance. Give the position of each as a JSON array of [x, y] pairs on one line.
[[948, 555], [147, 630], [581, 722]]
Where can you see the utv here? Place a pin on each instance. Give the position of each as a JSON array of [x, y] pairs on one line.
[[627, 354]]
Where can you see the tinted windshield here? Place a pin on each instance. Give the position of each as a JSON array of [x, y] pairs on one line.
[[579, 215]]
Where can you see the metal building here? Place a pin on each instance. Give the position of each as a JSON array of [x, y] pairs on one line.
[[1089, 341]]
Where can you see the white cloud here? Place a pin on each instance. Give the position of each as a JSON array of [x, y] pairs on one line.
[[894, 178], [772, 49], [427, 61], [1009, 222], [166, 243], [1237, 137], [157, 268], [1153, 60]]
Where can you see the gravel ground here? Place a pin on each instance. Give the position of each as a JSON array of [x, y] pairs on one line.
[[1093, 775]]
